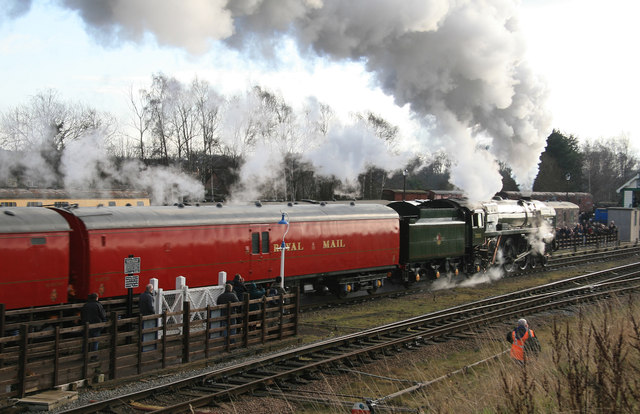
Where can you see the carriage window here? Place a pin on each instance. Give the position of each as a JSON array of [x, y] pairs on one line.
[[34, 204], [38, 241], [140, 203], [8, 204], [265, 242], [61, 204], [255, 243], [112, 203]]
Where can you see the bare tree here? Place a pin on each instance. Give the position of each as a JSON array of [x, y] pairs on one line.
[[607, 164], [140, 118], [375, 177], [43, 127], [159, 100], [208, 111], [184, 121]]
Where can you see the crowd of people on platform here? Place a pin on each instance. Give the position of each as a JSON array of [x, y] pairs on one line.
[[586, 227]]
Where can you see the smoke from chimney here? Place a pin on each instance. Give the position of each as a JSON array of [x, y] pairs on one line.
[[458, 64]]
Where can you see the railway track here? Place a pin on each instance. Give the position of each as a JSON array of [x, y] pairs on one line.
[[563, 260], [279, 373]]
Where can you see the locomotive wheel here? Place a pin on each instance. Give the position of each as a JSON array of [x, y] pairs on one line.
[[522, 264], [533, 263], [544, 260], [509, 253]]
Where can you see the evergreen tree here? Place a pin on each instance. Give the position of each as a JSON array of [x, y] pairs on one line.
[[560, 167]]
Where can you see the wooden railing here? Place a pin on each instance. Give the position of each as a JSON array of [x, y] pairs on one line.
[[588, 240], [39, 360]]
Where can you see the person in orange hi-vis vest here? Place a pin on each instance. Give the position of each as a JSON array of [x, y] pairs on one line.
[[523, 342]]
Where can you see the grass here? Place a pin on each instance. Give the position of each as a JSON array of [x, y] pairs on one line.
[[590, 363]]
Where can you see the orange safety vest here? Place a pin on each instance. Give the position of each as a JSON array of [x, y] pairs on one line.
[[517, 345]]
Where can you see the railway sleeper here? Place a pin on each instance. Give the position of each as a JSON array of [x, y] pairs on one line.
[[374, 356], [352, 363], [298, 380], [194, 393], [254, 375], [284, 385], [239, 380], [315, 358], [311, 376], [266, 372], [333, 352], [215, 382], [295, 364]]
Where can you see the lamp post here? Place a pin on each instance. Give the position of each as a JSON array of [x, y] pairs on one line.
[[404, 183], [568, 178], [283, 247]]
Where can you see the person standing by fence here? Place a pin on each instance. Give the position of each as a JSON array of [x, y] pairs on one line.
[[147, 307], [146, 302], [228, 296], [93, 312]]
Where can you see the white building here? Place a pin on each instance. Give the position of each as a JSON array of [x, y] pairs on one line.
[[631, 192]]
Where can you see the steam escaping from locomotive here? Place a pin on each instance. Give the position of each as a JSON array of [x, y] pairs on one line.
[[84, 164], [459, 65]]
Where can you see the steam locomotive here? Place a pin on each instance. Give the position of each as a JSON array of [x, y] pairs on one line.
[[55, 255]]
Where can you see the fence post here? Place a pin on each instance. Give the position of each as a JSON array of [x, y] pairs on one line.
[[2, 319], [56, 356], [186, 306], [85, 350], [140, 328], [264, 319], [113, 355], [22, 363], [245, 321], [281, 304], [229, 331], [164, 339], [2, 323], [297, 311], [207, 331]]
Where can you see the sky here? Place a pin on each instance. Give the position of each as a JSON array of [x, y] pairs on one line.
[[518, 68]]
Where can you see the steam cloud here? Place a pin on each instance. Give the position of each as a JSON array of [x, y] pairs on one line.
[[458, 64], [85, 165]]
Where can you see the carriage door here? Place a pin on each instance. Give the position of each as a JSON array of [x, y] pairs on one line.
[[260, 266]]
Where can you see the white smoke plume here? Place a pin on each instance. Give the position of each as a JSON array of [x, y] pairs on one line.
[[166, 185], [459, 62], [260, 169], [490, 275], [543, 235], [86, 165], [348, 150]]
